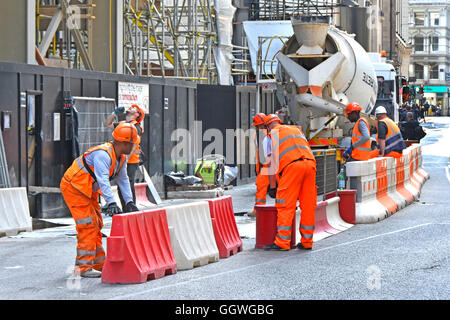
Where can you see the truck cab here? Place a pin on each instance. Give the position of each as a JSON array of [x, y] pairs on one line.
[[387, 95]]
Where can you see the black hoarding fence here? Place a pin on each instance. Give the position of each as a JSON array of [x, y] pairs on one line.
[[70, 109]]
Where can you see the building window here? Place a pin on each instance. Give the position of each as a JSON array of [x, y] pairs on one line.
[[418, 71], [434, 18], [434, 71], [434, 41], [418, 43], [419, 18]]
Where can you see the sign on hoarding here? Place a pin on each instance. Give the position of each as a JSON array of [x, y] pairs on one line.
[[134, 93]]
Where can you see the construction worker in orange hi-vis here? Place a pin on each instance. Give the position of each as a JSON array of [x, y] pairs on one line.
[[293, 162], [389, 137], [262, 178], [360, 147], [88, 177], [134, 115]]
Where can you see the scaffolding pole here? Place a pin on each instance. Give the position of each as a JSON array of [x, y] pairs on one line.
[[171, 38]]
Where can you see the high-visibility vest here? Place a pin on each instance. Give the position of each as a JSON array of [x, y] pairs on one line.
[[289, 145], [81, 176], [364, 151], [394, 138], [134, 158]]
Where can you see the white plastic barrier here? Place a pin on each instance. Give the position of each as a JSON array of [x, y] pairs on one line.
[[378, 193], [334, 217], [363, 176], [327, 223], [191, 235], [392, 184], [420, 169], [14, 211], [410, 184]]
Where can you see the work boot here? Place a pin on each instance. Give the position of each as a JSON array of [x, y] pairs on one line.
[[252, 214], [274, 246], [91, 273], [301, 247]]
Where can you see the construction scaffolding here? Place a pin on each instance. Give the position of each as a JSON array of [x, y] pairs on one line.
[[285, 9], [170, 38], [62, 33]]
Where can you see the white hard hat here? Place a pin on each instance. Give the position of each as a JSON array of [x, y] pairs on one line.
[[380, 109]]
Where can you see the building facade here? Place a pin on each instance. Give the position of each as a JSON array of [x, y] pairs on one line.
[[429, 31]]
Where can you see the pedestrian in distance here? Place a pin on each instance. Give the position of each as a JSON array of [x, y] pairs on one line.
[[411, 129], [84, 181], [293, 163], [389, 138], [134, 115], [360, 148]]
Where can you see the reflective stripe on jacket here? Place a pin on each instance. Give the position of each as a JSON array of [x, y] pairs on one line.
[[289, 145]]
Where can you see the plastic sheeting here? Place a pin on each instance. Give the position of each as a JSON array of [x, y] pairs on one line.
[[255, 29], [223, 53]]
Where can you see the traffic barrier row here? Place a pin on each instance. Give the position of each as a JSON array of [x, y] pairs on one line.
[[14, 211], [328, 219], [385, 185], [153, 243]]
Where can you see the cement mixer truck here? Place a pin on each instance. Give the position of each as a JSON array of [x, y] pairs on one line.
[[321, 69]]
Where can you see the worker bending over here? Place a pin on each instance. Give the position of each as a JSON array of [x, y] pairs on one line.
[[360, 148], [389, 138], [295, 166], [88, 177]]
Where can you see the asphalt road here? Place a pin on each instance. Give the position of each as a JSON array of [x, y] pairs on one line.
[[406, 256]]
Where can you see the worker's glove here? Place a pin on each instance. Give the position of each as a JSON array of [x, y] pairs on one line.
[[119, 110], [111, 209], [272, 192], [348, 152], [130, 207]]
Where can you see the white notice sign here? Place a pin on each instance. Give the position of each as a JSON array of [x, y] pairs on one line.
[[134, 93]]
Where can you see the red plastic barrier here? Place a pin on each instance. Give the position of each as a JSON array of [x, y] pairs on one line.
[[225, 229], [139, 248], [266, 226], [347, 203]]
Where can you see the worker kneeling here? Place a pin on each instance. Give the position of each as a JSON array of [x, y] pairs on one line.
[[88, 177], [360, 148], [294, 164]]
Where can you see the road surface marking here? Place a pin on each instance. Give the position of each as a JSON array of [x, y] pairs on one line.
[[268, 262]]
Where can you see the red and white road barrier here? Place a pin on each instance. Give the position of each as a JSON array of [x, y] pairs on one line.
[[385, 185]]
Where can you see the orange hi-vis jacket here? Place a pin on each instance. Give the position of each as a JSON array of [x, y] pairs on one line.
[[364, 151], [134, 158], [81, 176], [289, 144], [394, 138]]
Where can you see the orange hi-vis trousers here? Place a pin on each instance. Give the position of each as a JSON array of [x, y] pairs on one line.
[[88, 222], [262, 183], [298, 181]]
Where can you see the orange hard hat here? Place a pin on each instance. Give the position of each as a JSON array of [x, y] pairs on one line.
[[125, 132], [259, 119], [271, 118], [353, 106], [138, 110]]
